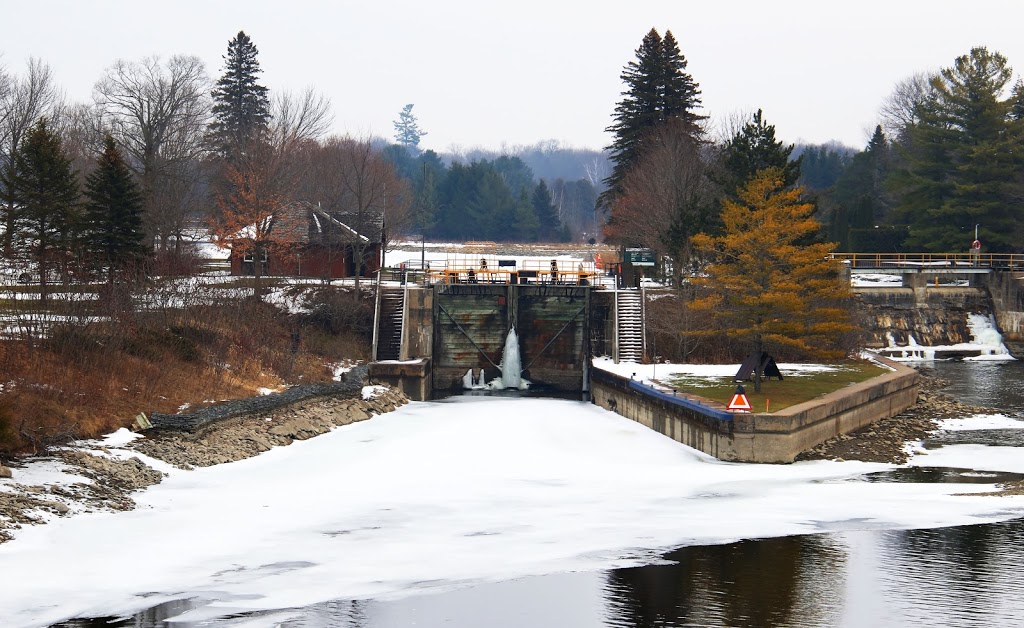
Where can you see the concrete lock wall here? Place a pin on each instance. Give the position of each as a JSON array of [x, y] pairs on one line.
[[471, 323], [418, 327], [774, 438]]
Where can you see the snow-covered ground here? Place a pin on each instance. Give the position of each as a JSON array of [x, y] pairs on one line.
[[648, 373], [442, 495]]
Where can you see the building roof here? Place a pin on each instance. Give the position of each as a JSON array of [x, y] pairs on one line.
[[303, 223]]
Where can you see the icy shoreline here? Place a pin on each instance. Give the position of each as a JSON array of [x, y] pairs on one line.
[[103, 475], [447, 493]]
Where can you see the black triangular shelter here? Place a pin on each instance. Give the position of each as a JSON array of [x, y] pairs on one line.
[[768, 368]]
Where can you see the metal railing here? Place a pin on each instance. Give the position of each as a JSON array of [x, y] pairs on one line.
[[997, 261], [492, 270]]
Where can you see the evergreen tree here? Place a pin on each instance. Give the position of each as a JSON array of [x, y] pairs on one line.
[[658, 90], [407, 130], [241, 109], [861, 200], [821, 166], [525, 223], [113, 214], [515, 173], [1017, 101], [43, 189], [425, 204], [962, 160], [475, 203], [755, 148], [762, 283], [549, 227]]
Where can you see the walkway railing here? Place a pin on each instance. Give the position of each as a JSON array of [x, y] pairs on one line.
[[487, 269], [997, 261]]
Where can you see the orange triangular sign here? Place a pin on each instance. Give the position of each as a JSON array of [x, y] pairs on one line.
[[739, 403]]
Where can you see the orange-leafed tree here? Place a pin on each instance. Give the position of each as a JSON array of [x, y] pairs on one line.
[[764, 283], [256, 187]]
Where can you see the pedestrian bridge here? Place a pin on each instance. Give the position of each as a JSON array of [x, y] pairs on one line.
[[974, 262]]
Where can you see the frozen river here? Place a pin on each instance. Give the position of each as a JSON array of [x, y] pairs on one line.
[[538, 512]]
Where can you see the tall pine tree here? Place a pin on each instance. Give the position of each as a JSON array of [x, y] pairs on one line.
[[43, 189], [755, 148], [241, 109], [861, 200], [407, 130], [658, 90], [963, 159], [113, 229]]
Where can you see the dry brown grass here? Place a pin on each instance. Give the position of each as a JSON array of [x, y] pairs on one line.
[[86, 380]]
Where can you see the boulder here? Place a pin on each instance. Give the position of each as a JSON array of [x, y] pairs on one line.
[[5, 472]]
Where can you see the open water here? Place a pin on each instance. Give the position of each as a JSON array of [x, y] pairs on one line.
[[956, 576]]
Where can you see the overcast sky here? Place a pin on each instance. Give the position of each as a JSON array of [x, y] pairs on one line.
[[487, 74]]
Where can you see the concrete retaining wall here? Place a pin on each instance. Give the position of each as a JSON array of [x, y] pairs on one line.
[[939, 318], [776, 437], [412, 377]]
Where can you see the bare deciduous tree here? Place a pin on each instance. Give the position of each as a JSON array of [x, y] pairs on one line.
[[158, 112], [299, 118], [730, 124], [667, 198], [359, 184], [899, 110], [260, 182]]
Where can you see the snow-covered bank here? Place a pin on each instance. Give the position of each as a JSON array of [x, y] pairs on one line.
[[648, 373], [439, 495], [98, 475]]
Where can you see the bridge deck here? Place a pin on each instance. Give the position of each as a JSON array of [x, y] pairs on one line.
[[974, 262]]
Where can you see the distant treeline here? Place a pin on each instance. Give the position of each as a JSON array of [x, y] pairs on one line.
[[543, 193]]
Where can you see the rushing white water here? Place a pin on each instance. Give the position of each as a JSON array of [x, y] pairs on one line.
[[985, 333], [985, 340], [511, 363]]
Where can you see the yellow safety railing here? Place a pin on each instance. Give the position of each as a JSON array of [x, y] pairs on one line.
[[1003, 261], [487, 270]]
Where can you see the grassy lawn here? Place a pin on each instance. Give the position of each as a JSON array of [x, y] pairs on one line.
[[795, 387]]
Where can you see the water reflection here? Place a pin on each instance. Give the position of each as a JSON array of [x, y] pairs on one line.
[[943, 475], [992, 384], [960, 576], [769, 582]]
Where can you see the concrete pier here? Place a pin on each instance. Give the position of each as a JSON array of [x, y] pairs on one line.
[[757, 437]]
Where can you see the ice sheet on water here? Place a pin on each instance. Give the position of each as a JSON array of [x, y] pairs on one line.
[[977, 457], [982, 422], [467, 490]]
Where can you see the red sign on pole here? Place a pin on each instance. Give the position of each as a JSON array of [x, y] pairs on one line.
[[739, 403]]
